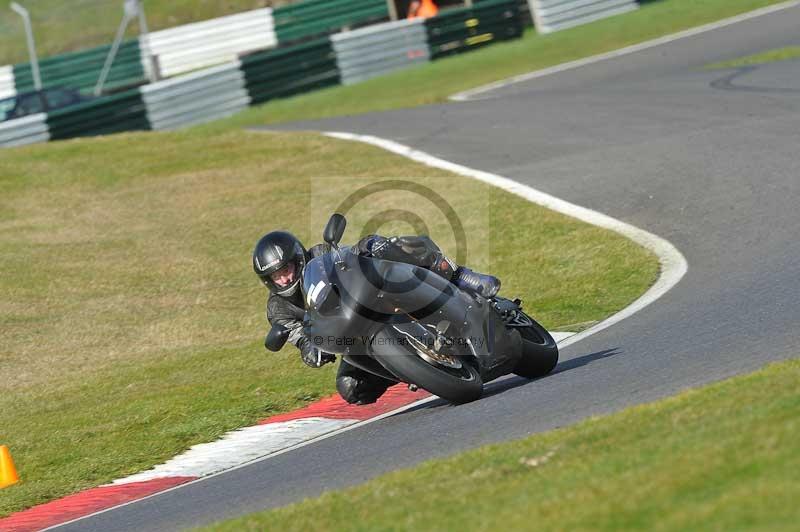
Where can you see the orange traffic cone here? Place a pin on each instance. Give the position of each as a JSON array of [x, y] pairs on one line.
[[8, 473]]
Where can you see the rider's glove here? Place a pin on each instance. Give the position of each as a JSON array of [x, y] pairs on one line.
[[417, 250], [312, 356]]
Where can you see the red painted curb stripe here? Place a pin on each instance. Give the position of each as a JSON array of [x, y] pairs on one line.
[[97, 499], [334, 407], [85, 503]]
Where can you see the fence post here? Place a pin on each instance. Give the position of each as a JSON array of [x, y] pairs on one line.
[[131, 10], [392, 9], [21, 11]]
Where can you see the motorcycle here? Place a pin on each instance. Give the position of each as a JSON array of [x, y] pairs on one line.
[[408, 324]]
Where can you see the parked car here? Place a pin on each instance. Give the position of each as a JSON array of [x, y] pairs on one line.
[[29, 103]]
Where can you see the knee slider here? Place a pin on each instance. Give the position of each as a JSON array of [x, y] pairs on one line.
[[348, 389]]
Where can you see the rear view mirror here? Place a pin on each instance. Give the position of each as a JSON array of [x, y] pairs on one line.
[[276, 338], [335, 229]]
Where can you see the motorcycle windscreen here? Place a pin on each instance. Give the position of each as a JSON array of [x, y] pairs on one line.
[[335, 321], [316, 283]]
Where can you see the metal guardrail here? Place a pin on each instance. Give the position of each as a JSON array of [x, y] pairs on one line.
[[8, 87], [554, 15], [290, 70], [273, 73], [197, 45], [461, 30], [201, 44], [80, 70], [374, 50], [25, 130], [314, 18], [196, 98], [110, 114]]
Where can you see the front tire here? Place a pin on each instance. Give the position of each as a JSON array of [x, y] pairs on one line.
[[539, 352], [458, 386]]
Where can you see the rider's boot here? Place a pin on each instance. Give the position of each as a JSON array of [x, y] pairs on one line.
[[477, 283]]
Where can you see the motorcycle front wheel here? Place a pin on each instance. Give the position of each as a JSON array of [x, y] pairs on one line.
[[539, 352], [455, 384]]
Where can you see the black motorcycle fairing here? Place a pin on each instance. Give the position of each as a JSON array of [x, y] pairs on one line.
[[335, 321], [370, 365], [506, 346], [351, 298]]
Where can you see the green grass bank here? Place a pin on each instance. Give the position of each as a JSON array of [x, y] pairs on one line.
[[722, 457]]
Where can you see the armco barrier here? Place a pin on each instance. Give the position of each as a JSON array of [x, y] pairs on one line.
[[110, 114], [277, 72], [290, 70], [464, 29], [194, 46], [554, 15], [80, 70], [375, 50], [25, 130], [211, 42], [314, 18], [196, 98], [7, 86]]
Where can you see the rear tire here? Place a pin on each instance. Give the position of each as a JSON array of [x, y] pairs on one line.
[[455, 385], [539, 352]]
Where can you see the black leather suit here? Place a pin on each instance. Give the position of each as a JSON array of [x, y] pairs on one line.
[[354, 385]]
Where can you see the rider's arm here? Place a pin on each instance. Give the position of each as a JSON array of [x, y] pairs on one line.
[[371, 244], [281, 312], [417, 250]]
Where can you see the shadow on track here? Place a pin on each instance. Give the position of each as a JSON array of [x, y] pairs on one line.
[[511, 382], [582, 360]]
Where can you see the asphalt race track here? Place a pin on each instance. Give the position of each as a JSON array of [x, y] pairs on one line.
[[708, 160]]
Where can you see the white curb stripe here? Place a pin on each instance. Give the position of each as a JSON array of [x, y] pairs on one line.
[[239, 447], [247, 444], [471, 94], [559, 337]]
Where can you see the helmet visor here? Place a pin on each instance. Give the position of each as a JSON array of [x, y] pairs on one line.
[[285, 276]]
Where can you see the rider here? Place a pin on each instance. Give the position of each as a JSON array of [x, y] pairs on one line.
[[278, 260]]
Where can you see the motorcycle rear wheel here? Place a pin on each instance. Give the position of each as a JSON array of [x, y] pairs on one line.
[[458, 386]]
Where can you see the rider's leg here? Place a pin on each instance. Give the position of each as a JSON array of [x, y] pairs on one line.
[[422, 251], [359, 387]]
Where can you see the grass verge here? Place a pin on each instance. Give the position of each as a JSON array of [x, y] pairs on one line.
[[723, 457], [768, 56], [131, 323], [435, 82]]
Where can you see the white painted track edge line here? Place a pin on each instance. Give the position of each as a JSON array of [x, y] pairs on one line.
[[672, 262], [471, 94], [327, 435]]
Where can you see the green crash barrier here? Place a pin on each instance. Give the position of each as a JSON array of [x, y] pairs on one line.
[[81, 70], [314, 18], [290, 70], [460, 30], [268, 74], [125, 111]]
